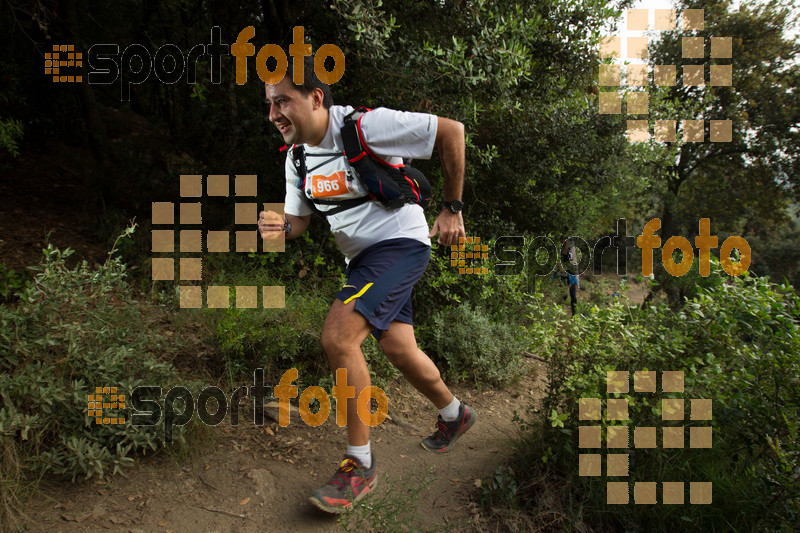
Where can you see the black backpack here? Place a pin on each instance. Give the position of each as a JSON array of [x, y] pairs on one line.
[[392, 185]]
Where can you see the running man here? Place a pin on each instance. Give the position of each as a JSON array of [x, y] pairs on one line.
[[387, 252], [570, 276]]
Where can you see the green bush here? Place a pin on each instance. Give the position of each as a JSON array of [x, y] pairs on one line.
[[12, 282], [381, 371], [442, 286], [692, 283], [74, 330], [475, 347], [272, 339], [10, 134], [738, 343], [776, 253], [279, 339]]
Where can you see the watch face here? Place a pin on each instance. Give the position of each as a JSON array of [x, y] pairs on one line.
[[456, 206]]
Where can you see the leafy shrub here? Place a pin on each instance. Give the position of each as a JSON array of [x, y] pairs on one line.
[[10, 134], [737, 343], [74, 330], [776, 253], [690, 284], [273, 339], [476, 347], [442, 286], [381, 371], [12, 282], [277, 340]]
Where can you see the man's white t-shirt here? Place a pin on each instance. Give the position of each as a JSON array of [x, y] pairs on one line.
[[393, 136]]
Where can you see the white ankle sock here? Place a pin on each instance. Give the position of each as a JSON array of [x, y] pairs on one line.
[[450, 412], [361, 453]]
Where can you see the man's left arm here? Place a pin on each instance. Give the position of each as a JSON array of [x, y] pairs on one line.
[[451, 147]]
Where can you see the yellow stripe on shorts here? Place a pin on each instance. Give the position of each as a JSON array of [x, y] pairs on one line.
[[359, 293]]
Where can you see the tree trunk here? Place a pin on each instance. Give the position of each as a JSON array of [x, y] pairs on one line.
[[669, 228], [95, 130]]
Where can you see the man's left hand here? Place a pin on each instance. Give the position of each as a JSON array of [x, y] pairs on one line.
[[449, 226]]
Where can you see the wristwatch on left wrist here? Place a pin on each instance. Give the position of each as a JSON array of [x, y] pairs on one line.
[[287, 227], [455, 206]]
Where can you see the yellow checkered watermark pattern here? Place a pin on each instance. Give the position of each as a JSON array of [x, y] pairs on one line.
[[466, 253], [62, 58], [618, 438], [190, 241], [104, 399], [637, 75]]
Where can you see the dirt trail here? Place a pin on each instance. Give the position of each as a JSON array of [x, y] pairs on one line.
[[251, 478]]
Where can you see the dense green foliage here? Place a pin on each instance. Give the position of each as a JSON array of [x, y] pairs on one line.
[[499, 67], [11, 282], [475, 347], [448, 329], [71, 331], [541, 160], [738, 343], [744, 186], [776, 253]]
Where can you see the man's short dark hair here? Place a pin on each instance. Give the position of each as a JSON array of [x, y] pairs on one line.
[[310, 81]]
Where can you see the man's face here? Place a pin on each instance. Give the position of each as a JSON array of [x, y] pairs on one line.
[[293, 112]]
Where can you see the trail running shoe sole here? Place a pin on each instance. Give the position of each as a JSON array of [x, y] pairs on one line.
[[447, 433], [350, 484]]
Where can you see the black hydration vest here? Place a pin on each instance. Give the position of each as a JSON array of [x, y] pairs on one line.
[[392, 185]]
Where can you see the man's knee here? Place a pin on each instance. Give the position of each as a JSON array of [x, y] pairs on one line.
[[343, 332], [337, 343]]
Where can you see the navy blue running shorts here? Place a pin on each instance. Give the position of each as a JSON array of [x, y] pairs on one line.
[[380, 280]]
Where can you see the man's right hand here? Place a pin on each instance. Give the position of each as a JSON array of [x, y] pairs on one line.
[[270, 225]]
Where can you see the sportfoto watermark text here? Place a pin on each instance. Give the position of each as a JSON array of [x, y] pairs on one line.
[[514, 256], [147, 410], [135, 64]]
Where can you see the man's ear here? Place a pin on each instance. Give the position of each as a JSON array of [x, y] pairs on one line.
[[317, 97]]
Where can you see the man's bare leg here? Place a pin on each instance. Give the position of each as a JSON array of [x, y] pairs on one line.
[[455, 418], [342, 334], [400, 346]]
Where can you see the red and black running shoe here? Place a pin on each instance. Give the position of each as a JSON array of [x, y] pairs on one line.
[[348, 485], [447, 433]]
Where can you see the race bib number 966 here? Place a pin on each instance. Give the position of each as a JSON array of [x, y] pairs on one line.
[[327, 186]]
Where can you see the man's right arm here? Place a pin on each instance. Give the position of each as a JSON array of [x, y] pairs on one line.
[[271, 225], [298, 224]]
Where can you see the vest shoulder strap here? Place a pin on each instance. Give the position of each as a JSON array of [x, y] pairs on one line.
[[353, 147], [298, 154]]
